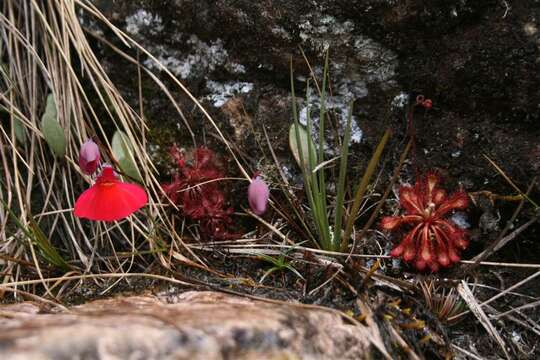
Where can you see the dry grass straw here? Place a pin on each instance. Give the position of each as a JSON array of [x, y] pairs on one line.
[[45, 51]]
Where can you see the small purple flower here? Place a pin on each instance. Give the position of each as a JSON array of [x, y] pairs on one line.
[[89, 157], [258, 194]]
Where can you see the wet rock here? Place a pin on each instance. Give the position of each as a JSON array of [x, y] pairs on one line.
[[192, 325]]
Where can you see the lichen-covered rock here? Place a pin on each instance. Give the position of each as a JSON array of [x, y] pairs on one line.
[[192, 325], [477, 60]]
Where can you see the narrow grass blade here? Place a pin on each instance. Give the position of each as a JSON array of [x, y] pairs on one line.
[[48, 251], [320, 214], [36, 235], [19, 130], [341, 181], [293, 270], [507, 178], [306, 176], [268, 272], [362, 187], [389, 187], [468, 297]]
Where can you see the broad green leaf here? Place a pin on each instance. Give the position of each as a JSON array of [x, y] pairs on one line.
[[20, 131], [52, 131], [304, 143], [50, 108], [123, 152]]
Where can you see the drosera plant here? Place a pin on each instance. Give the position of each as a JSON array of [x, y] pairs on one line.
[[333, 233], [195, 189], [432, 241]]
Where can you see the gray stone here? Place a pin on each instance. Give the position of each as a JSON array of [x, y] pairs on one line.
[[192, 325]]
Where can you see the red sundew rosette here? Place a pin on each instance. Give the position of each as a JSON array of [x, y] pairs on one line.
[[110, 199], [434, 241]]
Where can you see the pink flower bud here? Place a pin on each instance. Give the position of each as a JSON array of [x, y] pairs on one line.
[[89, 157], [258, 194]]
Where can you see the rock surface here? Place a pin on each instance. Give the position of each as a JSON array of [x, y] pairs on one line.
[[192, 325], [477, 60]]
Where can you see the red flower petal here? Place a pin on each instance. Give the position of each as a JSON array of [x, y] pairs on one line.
[[109, 199]]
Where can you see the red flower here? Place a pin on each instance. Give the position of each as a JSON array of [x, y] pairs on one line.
[[109, 199], [433, 241]]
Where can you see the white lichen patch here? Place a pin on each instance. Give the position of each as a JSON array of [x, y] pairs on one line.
[[345, 90], [144, 22], [235, 68], [460, 219], [374, 62], [338, 108], [221, 92], [281, 32], [378, 64], [322, 32], [368, 60], [200, 58], [400, 101], [360, 61]]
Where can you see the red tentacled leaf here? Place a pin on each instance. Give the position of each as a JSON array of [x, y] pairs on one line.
[[434, 241]]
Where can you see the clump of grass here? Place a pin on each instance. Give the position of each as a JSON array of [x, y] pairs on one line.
[[52, 88], [333, 233], [444, 303], [279, 263]]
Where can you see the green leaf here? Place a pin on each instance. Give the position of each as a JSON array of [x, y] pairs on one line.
[[52, 131], [340, 199], [362, 187], [48, 251], [123, 152], [20, 131], [304, 144]]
